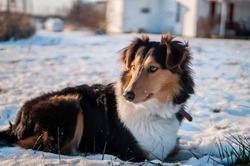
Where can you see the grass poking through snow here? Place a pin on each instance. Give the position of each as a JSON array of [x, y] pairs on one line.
[[237, 151], [1, 89], [58, 142]]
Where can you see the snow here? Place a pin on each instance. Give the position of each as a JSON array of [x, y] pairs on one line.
[[51, 61]]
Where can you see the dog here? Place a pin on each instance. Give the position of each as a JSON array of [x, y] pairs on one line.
[[136, 118]]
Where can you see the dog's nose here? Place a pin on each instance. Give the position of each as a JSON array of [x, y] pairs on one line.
[[129, 95]]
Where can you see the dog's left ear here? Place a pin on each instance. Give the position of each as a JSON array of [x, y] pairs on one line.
[[129, 52], [176, 52]]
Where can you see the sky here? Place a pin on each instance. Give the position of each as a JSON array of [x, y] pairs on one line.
[[48, 6], [42, 7]]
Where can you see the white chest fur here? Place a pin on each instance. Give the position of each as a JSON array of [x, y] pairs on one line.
[[153, 124]]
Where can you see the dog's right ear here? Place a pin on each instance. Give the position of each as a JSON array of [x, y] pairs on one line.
[[128, 53], [176, 52]]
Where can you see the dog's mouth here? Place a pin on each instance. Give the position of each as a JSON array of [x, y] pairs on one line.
[[148, 96]]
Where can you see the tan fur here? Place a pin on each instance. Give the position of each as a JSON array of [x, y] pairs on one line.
[[166, 39], [144, 37], [34, 141], [163, 84], [71, 147], [72, 97], [29, 142], [184, 57], [132, 75]]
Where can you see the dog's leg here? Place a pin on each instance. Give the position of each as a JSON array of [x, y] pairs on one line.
[[53, 124], [50, 141], [71, 146]]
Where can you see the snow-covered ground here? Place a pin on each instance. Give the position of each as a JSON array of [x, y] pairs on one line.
[[51, 61]]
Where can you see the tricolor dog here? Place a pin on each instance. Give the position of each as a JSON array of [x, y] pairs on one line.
[[135, 118]]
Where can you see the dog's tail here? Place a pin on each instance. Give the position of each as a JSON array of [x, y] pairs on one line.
[[7, 138]]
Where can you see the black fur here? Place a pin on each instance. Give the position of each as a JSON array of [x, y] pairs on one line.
[[50, 123], [101, 125]]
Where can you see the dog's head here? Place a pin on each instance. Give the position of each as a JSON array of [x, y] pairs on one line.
[[158, 70]]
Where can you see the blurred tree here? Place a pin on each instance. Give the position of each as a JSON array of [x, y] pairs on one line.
[[86, 14], [14, 24]]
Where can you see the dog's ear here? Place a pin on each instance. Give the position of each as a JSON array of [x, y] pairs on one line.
[[176, 52], [128, 53]]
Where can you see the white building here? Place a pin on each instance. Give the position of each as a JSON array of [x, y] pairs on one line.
[[180, 17]]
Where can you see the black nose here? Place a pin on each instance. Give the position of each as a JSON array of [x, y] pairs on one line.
[[129, 95]]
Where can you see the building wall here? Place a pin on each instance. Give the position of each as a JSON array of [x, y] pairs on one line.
[[203, 8], [157, 16], [114, 16], [172, 16], [180, 17], [153, 16], [141, 15], [189, 24]]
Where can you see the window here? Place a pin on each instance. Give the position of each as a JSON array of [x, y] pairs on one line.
[[145, 10]]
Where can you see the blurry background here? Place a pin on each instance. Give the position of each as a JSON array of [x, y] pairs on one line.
[[190, 18]]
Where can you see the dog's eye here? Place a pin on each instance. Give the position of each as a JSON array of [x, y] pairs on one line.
[[152, 69]]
